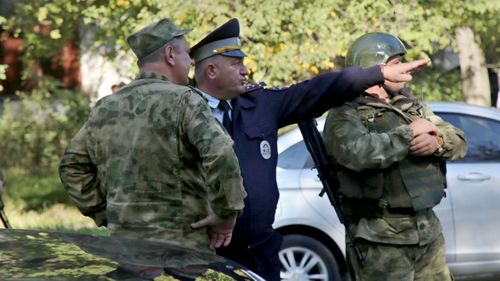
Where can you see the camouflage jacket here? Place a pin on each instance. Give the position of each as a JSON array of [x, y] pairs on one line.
[[350, 143], [150, 160]]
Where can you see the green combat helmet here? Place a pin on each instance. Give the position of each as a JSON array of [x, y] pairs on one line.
[[373, 48]]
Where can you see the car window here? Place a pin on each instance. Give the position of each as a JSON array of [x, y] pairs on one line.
[[483, 136]]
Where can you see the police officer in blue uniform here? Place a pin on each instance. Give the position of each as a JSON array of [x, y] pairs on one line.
[[253, 115]]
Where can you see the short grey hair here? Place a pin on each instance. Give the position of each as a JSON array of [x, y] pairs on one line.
[[158, 54], [200, 66]]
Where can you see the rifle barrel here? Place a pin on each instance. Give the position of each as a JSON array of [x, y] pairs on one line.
[[316, 147]]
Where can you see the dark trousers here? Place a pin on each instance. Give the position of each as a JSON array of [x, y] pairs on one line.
[[262, 259]]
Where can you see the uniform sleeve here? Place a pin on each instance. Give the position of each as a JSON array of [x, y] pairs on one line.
[[350, 143], [79, 176], [455, 143], [224, 184], [312, 98]]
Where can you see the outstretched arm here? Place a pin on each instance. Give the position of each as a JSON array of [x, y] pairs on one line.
[[312, 98], [401, 72]]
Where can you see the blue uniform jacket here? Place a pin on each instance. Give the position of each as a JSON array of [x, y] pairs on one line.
[[257, 115]]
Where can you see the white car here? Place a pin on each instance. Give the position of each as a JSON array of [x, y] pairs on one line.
[[313, 247]]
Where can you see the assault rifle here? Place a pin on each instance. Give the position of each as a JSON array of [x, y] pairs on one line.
[[3, 217], [325, 169]]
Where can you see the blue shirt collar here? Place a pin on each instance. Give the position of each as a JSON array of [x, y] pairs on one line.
[[213, 102]]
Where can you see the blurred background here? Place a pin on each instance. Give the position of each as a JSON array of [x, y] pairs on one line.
[[57, 58]]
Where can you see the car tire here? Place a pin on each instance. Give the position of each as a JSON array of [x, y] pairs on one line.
[[304, 258]]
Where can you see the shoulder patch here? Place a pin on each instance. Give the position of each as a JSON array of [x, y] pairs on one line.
[[254, 87]]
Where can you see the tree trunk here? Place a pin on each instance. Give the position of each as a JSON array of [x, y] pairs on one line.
[[473, 69]]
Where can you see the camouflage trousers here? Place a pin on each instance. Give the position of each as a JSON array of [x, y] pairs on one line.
[[386, 262]]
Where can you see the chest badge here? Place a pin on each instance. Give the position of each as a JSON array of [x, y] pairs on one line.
[[265, 149]]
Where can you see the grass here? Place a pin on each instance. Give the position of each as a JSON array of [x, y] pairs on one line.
[[37, 200]]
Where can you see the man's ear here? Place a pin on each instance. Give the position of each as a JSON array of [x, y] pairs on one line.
[[211, 70], [169, 53]]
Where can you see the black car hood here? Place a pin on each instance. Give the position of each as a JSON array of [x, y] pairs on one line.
[[46, 255]]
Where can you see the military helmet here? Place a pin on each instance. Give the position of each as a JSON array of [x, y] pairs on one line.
[[373, 48]]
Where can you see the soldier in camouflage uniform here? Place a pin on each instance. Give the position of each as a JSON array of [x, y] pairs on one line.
[[391, 149], [151, 159]]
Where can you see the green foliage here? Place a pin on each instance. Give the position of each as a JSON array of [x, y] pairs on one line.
[[437, 85], [33, 191], [286, 41], [36, 128], [112, 21], [45, 25], [482, 17], [37, 200], [3, 67]]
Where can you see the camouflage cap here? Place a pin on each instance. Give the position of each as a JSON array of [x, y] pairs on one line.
[[152, 37]]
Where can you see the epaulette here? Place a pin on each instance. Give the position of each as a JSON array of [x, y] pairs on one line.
[[277, 88], [254, 87]]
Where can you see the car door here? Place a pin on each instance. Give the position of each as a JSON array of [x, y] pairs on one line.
[[474, 195]]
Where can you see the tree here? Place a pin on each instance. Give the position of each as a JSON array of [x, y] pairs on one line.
[[286, 41], [473, 69]]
